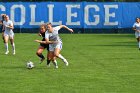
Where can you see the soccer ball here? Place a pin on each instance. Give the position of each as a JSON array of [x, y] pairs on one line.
[[30, 65]]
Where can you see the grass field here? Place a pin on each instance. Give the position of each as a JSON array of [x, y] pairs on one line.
[[98, 63]]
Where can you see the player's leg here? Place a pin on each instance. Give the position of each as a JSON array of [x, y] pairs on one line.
[[52, 58], [137, 38], [139, 42], [49, 58], [54, 61], [48, 55], [12, 43], [57, 54], [6, 38], [3, 36], [39, 53], [51, 55]]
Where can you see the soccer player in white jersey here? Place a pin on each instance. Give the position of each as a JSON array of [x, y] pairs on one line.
[[8, 34], [136, 28], [55, 43]]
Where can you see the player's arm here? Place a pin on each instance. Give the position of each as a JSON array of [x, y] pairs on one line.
[[46, 41], [1, 22], [39, 34], [3, 28], [134, 28], [10, 26], [63, 26]]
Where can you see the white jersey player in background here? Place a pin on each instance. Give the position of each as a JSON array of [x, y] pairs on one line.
[[8, 34], [55, 43], [136, 28]]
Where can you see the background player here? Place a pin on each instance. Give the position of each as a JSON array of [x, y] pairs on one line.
[[1, 22], [136, 28], [8, 34]]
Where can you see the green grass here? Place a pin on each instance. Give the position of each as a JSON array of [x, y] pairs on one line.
[[99, 63]]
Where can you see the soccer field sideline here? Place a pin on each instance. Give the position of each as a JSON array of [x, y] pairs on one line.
[[99, 63]]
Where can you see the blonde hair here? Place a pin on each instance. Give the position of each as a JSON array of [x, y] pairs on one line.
[[49, 23]]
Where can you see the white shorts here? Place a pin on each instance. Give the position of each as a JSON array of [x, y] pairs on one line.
[[137, 34], [9, 34], [52, 47]]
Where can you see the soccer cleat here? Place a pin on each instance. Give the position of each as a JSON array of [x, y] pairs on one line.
[[41, 60], [66, 62], [48, 65], [56, 67], [6, 52], [14, 52]]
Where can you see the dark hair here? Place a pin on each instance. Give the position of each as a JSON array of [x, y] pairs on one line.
[[3, 16], [43, 25]]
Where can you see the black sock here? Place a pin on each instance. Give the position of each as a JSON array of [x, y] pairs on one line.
[[48, 62], [41, 56]]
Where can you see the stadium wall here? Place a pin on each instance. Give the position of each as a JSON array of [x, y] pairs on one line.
[[83, 17]]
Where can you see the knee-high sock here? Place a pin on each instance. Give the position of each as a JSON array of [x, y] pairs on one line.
[[41, 55], [48, 61], [6, 46], [61, 57], [55, 63], [13, 46], [139, 44]]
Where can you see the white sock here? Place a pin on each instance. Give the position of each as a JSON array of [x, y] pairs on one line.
[[61, 57], [13, 46], [6, 46], [55, 63]]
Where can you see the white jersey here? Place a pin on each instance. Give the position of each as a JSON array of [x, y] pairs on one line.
[[54, 36], [8, 23], [137, 26]]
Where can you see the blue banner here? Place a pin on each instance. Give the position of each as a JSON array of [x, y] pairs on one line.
[[72, 14]]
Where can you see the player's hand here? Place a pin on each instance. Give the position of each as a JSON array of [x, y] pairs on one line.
[[55, 42], [71, 30], [37, 41], [6, 26], [39, 34]]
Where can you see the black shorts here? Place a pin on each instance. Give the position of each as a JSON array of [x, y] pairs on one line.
[[1, 29], [45, 46]]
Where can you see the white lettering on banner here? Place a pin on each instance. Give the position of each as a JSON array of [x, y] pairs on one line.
[[86, 15], [2, 8], [33, 22], [70, 15], [22, 14], [108, 15], [51, 15]]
